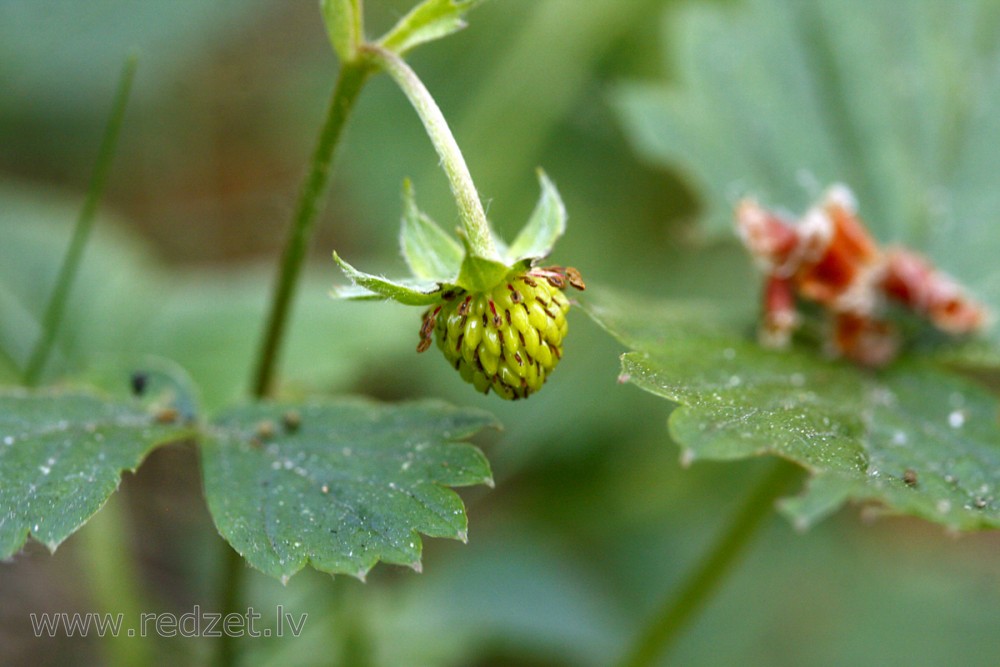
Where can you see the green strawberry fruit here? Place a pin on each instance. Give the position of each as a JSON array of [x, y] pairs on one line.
[[508, 339]]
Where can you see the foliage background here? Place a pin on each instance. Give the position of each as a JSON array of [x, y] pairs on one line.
[[593, 520]]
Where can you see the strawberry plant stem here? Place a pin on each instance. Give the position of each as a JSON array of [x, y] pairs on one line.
[[56, 307], [470, 208], [229, 602], [680, 607], [352, 77]]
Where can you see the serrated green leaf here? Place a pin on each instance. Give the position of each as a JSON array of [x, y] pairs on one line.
[[61, 458], [914, 438], [429, 252], [353, 483], [428, 21], [343, 24], [546, 224], [410, 293], [779, 99]]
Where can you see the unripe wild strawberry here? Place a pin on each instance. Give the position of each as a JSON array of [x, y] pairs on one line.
[[508, 339], [498, 317]]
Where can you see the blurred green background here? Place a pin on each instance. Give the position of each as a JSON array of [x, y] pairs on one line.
[[593, 520]]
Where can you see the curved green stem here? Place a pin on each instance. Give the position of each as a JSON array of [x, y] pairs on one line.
[[470, 208], [56, 307], [664, 628], [352, 77]]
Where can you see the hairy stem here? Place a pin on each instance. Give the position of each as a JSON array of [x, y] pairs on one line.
[[470, 208], [56, 308], [352, 77], [663, 630]]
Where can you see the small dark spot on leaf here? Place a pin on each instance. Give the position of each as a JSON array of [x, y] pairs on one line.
[[138, 382], [910, 477]]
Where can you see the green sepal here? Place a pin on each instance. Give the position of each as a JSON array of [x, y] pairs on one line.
[[479, 274], [368, 286], [428, 21], [430, 253], [546, 224], [523, 265], [343, 25]]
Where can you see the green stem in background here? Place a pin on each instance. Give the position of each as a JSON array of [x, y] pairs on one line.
[[56, 307], [663, 630], [353, 75], [230, 596], [470, 208], [111, 577], [351, 625]]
